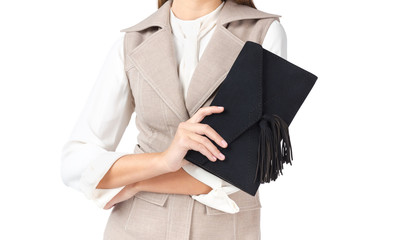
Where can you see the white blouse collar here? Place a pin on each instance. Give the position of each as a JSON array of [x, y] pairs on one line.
[[183, 28]]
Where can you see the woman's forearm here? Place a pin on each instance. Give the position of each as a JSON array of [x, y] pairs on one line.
[[178, 182], [133, 168]]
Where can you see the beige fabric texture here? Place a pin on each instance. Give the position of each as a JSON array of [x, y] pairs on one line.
[[159, 105]]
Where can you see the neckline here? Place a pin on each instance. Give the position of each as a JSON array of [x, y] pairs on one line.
[[197, 20]]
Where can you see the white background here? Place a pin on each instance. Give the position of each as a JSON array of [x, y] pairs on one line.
[[340, 185]]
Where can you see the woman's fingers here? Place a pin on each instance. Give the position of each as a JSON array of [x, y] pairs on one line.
[[204, 111], [200, 147], [126, 193], [205, 129], [209, 145], [198, 129], [188, 136]]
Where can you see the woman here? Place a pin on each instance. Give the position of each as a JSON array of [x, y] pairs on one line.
[[166, 69]]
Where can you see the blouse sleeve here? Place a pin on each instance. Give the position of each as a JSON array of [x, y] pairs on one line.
[[276, 42], [276, 39], [90, 149]]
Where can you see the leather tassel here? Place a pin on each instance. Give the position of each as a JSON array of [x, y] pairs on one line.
[[274, 148]]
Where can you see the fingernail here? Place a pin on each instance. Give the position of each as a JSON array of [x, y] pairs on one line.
[[214, 158], [220, 106], [224, 143], [221, 156]]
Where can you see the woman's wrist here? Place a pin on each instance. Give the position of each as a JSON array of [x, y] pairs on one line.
[[162, 163]]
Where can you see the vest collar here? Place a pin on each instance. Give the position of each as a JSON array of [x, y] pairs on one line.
[[160, 68]]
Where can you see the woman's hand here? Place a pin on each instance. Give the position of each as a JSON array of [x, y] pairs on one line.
[[126, 193], [189, 136]]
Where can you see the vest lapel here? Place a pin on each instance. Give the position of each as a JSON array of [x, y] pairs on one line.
[[156, 60], [217, 59]]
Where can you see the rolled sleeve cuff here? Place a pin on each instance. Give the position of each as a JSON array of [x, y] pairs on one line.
[[218, 197], [93, 175]]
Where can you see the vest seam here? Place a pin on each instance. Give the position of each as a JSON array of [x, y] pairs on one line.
[[124, 52], [130, 67]]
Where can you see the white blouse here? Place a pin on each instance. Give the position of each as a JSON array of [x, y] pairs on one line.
[[90, 151]]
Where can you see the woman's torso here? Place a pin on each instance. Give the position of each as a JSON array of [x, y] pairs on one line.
[[160, 105]]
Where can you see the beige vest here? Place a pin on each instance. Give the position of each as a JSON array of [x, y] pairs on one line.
[[159, 105]]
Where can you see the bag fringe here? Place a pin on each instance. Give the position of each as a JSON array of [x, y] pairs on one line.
[[274, 148]]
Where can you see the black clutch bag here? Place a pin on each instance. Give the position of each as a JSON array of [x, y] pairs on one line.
[[261, 94]]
